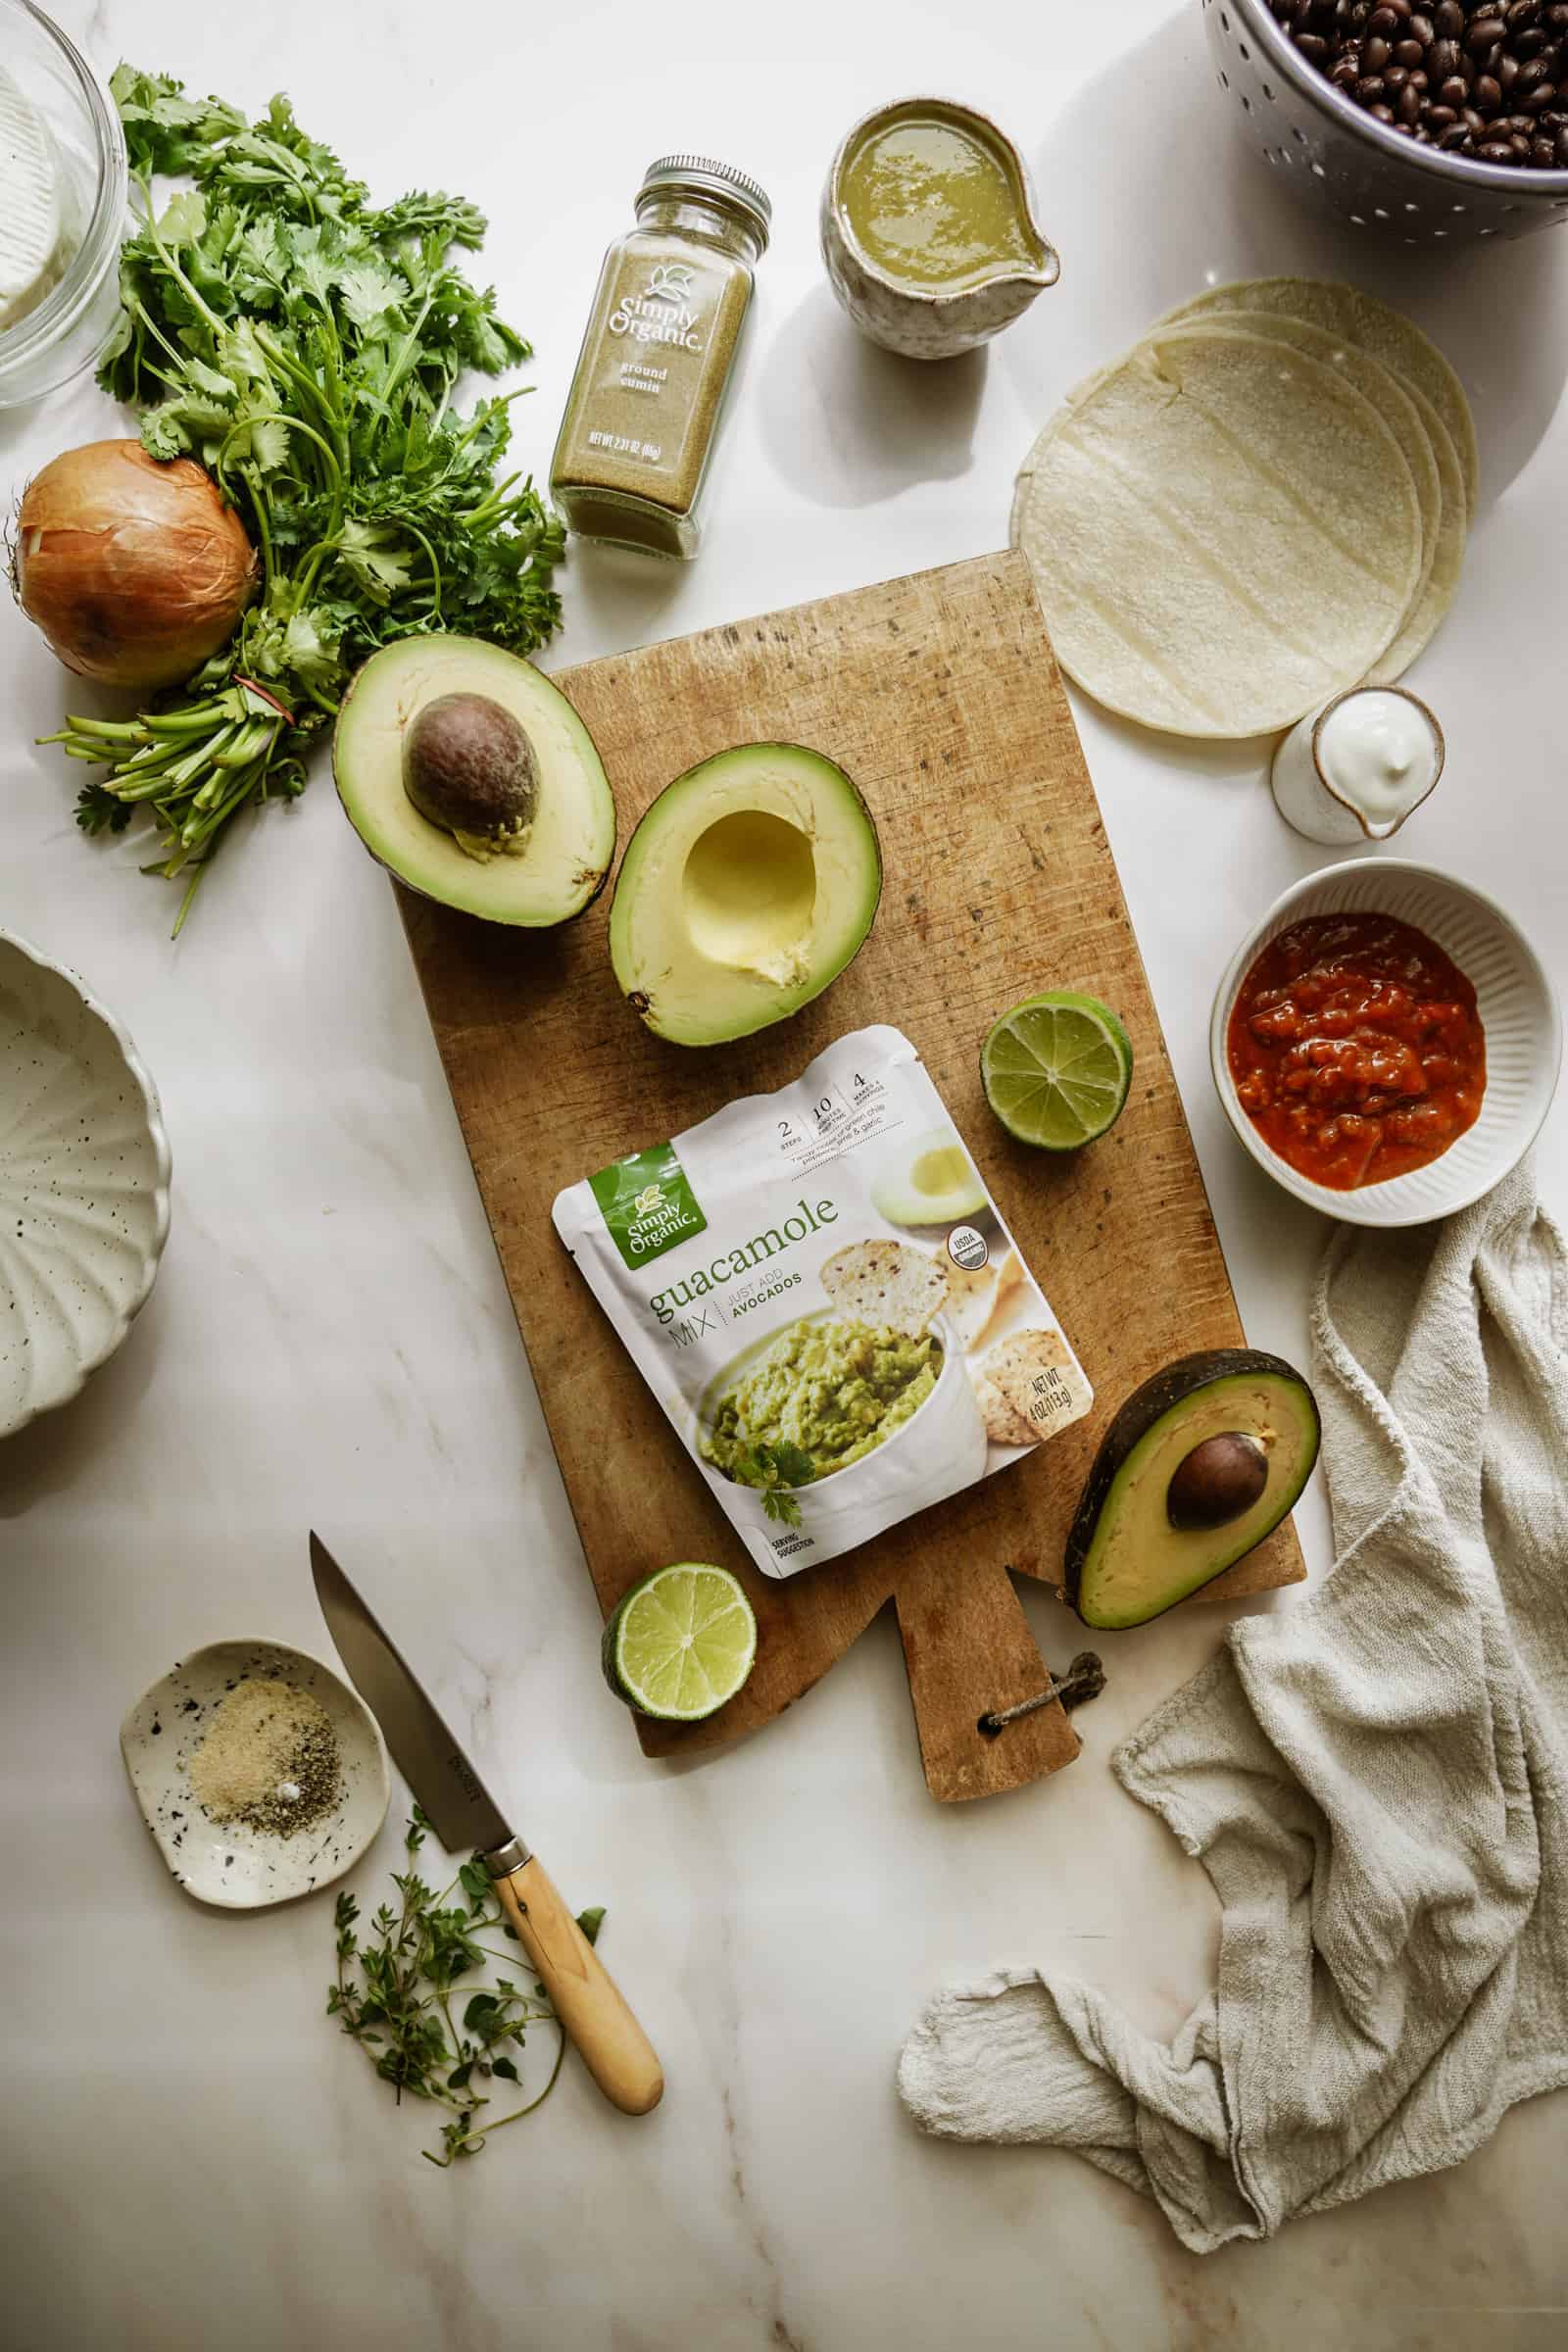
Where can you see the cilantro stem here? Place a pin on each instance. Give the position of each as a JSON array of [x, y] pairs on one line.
[[306, 348]]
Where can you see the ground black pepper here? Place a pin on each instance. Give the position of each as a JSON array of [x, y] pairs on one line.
[[269, 1761]]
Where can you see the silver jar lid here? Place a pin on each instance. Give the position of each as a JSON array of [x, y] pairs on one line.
[[710, 178]]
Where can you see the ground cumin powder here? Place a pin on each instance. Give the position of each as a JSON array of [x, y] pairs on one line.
[[657, 357]]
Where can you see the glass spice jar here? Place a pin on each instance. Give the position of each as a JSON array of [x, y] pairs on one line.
[[656, 360]]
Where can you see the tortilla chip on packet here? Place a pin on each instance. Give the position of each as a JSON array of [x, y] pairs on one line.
[[817, 1367]]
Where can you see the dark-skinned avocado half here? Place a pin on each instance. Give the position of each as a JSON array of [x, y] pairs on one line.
[[748, 885], [1201, 1465], [473, 781]]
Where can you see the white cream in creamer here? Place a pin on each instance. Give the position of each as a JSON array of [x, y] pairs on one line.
[[1355, 769]]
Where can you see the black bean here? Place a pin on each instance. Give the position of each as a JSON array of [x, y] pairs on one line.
[[1561, 144], [1383, 22], [1312, 45], [1408, 53], [1529, 44], [1454, 91], [1455, 139], [1381, 114], [1442, 59], [1376, 55], [1521, 15], [1422, 30], [1407, 106], [1496, 150], [1448, 20], [1473, 122], [1396, 79], [1487, 94], [1482, 34], [1444, 118]]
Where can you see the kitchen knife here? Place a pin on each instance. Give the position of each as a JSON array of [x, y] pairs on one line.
[[462, 1813]]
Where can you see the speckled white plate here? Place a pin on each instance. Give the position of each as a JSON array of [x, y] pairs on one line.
[[242, 1869], [83, 1184], [1518, 1013]]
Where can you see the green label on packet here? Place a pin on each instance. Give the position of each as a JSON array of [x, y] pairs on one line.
[[648, 1204]]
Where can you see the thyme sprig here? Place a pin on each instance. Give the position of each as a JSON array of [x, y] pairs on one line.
[[394, 1992]]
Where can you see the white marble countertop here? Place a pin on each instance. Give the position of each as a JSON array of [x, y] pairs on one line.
[[194, 2156]]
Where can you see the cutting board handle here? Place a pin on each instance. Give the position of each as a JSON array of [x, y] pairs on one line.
[[592, 2010], [995, 1661]]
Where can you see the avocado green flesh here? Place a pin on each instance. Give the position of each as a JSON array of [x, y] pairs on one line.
[[1134, 1565], [570, 840], [932, 1182], [748, 886]]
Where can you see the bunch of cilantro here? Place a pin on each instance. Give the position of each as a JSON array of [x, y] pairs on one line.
[[304, 347]]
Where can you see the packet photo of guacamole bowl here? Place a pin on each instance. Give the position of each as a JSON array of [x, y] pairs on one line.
[[828, 1375], [841, 1428]]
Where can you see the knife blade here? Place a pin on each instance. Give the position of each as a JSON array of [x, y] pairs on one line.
[[461, 1809], [462, 1813]]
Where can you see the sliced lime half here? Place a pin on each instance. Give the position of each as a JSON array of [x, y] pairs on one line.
[[1056, 1069], [681, 1643]]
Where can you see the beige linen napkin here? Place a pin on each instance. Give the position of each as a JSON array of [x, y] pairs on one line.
[[1375, 1780]]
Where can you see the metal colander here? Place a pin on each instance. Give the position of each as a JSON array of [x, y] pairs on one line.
[[1336, 154]]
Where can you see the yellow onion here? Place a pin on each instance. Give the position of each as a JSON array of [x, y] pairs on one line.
[[132, 566]]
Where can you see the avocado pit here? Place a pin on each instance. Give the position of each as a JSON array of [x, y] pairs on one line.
[[469, 767], [1217, 1481]]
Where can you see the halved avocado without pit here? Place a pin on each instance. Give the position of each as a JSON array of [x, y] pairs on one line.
[[471, 778], [748, 886], [1201, 1465]]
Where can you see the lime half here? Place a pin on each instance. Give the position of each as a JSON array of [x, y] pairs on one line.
[[1056, 1069], [681, 1643]]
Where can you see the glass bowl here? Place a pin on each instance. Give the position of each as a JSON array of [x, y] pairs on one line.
[[72, 317]]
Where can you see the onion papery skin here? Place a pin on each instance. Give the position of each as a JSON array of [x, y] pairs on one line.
[[132, 566]]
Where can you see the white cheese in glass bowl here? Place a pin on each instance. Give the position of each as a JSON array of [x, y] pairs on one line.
[[37, 235]]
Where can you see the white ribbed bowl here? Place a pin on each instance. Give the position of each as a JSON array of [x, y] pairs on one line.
[[83, 1184], [1518, 1013]]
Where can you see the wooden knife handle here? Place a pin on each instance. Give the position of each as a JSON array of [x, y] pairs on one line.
[[615, 2050]]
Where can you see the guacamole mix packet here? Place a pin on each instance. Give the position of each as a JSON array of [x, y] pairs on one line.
[[823, 1295]]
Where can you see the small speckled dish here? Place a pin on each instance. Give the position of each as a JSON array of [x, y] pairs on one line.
[[236, 1868], [83, 1184]]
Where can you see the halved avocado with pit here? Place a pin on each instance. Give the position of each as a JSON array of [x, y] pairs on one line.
[[748, 886], [469, 776], [930, 1181], [1201, 1465]]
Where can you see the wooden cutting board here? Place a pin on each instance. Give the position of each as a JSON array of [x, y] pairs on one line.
[[940, 696]]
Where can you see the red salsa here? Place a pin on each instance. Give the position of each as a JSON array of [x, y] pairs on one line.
[[1356, 1048]]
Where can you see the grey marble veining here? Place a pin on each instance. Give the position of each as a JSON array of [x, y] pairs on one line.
[[196, 2158]]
